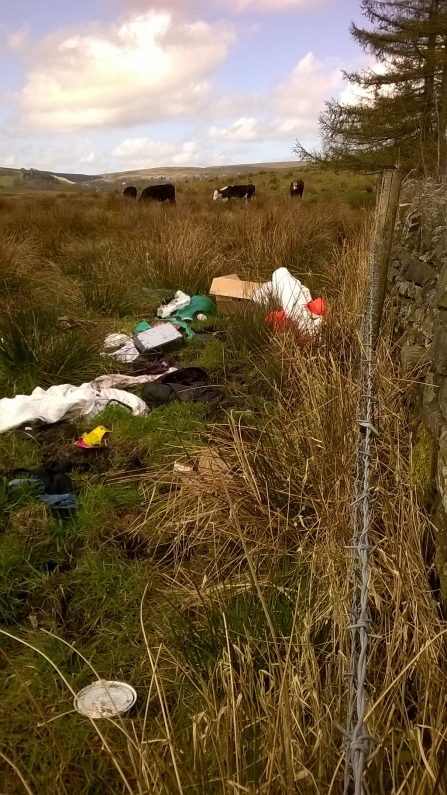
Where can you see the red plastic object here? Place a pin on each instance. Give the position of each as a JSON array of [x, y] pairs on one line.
[[318, 306], [279, 321]]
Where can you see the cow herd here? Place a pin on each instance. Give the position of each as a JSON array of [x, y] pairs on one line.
[[166, 192]]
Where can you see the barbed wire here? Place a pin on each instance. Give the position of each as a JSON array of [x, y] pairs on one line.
[[357, 738]]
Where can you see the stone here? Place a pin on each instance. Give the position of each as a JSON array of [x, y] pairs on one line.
[[442, 396], [430, 390], [409, 290], [392, 273], [434, 419], [411, 355], [429, 291], [440, 298], [438, 351], [418, 272]]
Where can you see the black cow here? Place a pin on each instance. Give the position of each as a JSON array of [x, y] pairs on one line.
[[246, 192], [297, 188], [130, 192], [158, 193]]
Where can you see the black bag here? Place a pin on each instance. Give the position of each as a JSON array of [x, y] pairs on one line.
[[186, 384]]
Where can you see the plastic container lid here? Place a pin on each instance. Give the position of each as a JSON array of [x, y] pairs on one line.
[[105, 699]]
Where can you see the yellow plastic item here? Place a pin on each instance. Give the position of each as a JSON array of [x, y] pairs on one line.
[[94, 438]]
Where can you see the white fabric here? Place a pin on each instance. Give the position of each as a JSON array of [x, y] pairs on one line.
[[293, 297], [64, 402], [114, 341], [127, 381], [127, 354]]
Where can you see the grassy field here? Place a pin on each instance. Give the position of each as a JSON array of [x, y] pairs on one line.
[[356, 190], [222, 599]]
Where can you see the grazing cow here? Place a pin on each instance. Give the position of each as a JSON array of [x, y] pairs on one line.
[[159, 193], [246, 192], [297, 188], [130, 192]]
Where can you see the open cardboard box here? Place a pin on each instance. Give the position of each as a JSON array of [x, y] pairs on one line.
[[231, 293]]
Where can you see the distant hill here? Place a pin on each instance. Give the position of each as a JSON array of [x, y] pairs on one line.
[[47, 179], [79, 177]]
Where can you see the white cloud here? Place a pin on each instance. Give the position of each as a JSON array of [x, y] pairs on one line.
[[144, 153], [150, 68], [274, 5], [310, 84], [244, 129], [295, 104]]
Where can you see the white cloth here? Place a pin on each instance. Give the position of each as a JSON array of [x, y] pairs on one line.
[[127, 381], [293, 297], [64, 402], [114, 341]]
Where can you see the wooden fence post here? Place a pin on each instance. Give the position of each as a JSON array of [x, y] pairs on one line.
[[387, 206]]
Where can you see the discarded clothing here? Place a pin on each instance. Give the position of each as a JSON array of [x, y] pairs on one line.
[[159, 367], [51, 478], [114, 341], [127, 381], [65, 502], [64, 402], [53, 484], [295, 300], [186, 385], [126, 353], [93, 439]]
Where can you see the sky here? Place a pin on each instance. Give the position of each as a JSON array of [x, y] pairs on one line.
[[113, 85]]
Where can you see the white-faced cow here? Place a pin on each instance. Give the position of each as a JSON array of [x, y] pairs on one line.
[[130, 192], [297, 188], [246, 192], [158, 193]]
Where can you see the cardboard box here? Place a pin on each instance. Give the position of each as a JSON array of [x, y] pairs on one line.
[[231, 293]]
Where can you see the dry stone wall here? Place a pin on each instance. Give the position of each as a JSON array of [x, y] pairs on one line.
[[417, 283]]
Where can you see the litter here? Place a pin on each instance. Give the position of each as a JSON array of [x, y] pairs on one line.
[[64, 402], [180, 301], [296, 302], [186, 384], [93, 439], [51, 481], [199, 308], [212, 464], [231, 293], [127, 353], [279, 321], [143, 326], [114, 341], [105, 699], [156, 338], [120, 381], [183, 469]]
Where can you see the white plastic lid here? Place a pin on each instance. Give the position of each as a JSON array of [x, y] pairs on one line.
[[105, 699]]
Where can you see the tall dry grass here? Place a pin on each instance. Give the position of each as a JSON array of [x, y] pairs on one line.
[[247, 664]]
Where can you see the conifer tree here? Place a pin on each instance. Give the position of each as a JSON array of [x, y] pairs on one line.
[[399, 112]]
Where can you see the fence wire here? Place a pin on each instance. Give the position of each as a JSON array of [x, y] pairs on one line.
[[358, 740]]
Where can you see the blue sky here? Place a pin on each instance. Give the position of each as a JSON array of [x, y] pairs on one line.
[[122, 84]]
